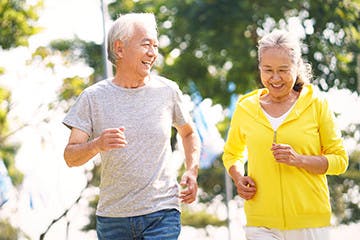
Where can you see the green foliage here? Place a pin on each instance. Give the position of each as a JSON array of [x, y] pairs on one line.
[[92, 224], [73, 51], [335, 43], [77, 49], [352, 131], [41, 52], [17, 22], [199, 219], [212, 181], [344, 190], [7, 151], [72, 87], [8, 232], [16, 25], [94, 181], [95, 175], [4, 109]]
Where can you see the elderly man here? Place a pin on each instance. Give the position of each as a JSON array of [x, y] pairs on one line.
[[128, 120]]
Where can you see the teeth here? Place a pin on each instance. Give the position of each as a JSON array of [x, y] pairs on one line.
[[276, 85]]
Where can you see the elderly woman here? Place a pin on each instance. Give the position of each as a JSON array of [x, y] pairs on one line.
[[292, 143]]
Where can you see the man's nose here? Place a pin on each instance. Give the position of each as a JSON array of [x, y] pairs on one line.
[[152, 51]]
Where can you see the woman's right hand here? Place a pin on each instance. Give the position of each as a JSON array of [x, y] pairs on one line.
[[246, 187]]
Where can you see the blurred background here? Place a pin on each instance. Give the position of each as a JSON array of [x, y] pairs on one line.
[[51, 50]]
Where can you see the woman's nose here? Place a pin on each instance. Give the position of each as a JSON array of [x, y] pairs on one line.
[[276, 75]]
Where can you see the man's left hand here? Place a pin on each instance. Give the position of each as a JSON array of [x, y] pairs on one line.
[[189, 183]]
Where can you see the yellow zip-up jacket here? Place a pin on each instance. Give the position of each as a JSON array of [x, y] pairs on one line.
[[287, 197]]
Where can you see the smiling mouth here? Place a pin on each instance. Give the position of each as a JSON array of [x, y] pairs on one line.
[[147, 63], [276, 85]]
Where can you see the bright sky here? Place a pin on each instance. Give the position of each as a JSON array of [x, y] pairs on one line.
[[54, 186], [69, 18]]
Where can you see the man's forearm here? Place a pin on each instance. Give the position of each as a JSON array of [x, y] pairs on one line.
[[77, 154], [191, 145]]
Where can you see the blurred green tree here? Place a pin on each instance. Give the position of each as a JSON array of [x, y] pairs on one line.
[[345, 188], [17, 24], [8, 232], [7, 150]]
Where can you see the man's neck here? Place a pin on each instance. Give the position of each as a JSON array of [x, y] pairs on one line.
[[126, 82]]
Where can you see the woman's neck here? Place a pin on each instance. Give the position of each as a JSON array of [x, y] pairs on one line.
[[290, 98]]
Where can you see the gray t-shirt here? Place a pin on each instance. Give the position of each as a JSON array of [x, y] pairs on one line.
[[137, 179]]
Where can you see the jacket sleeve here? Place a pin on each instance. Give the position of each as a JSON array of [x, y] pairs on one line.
[[234, 148], [331, 140]]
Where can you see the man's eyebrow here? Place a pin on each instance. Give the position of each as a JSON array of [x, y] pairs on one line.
[[266, 66], [149, 40]]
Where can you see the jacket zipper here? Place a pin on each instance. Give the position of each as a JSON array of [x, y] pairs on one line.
[[281, 184], [275, 135]]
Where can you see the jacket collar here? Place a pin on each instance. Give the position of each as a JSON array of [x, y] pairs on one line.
[[250, 103]]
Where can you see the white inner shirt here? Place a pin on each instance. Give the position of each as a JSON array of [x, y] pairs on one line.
[[276, 121]]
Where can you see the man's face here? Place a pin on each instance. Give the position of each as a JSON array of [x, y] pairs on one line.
[[140, 52]]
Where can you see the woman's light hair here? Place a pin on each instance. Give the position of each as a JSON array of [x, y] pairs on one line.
[[123, 28], [285, 40]]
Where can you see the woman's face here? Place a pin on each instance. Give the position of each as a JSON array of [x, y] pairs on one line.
[[277, 72]]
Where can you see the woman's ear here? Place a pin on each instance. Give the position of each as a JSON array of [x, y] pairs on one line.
[[119, 48]]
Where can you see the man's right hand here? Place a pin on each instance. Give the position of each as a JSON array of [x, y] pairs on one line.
[[111, 138]]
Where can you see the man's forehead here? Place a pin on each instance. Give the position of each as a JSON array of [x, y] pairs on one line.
[[148, 32]]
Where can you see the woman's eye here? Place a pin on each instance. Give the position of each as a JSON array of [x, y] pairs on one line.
[[284, 71]]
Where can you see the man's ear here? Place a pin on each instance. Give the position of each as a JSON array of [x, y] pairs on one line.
[[119, 48]]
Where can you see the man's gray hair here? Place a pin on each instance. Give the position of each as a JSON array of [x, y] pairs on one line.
[[123, 28]]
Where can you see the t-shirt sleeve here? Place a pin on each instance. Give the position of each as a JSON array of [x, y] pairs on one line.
[[181, 111], [79, 115]]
